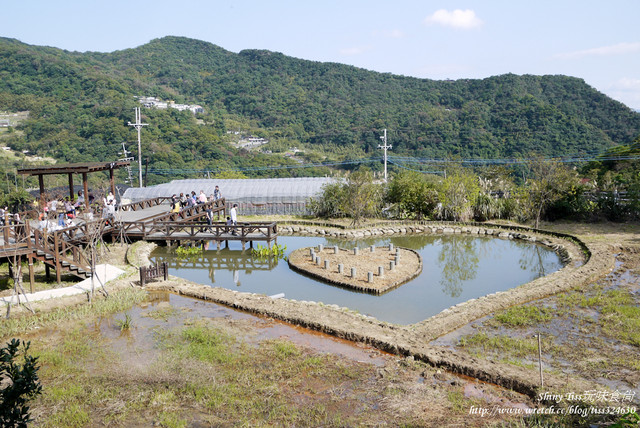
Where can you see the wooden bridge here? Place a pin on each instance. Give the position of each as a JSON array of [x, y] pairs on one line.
[[65, 249], [150, 220]]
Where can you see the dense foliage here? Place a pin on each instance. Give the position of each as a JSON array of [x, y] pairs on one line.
[[19, 383], [550, 190], [80, 104]]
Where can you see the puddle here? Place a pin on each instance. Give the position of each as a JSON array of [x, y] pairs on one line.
[[480, 391], [137, 345]]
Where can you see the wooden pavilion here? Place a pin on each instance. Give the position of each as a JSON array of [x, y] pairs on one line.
[[70, 169]]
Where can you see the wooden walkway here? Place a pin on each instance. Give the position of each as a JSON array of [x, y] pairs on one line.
[[151, 220], [64, 249], [218, 232]]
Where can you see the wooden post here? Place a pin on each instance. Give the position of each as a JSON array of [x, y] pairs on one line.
[[71, 187], [112, 182], [143, 275], [165, 268], [540, 359], [31, 273], [56, 254], [42, 200], [85, 187]]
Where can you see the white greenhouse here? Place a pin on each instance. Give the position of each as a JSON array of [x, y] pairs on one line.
[[253, 196]]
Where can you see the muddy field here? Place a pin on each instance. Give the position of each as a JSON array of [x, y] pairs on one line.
[[212, 368]]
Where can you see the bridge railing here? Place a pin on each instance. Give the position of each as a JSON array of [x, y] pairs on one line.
[[243, 230], [147, 203], [186, 215], [13, 236], [194, 212], [237, 261], [61, 250]]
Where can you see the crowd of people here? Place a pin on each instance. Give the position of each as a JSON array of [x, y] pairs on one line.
[[59, 213], [189, 200]]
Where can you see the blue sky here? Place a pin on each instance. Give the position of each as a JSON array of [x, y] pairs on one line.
[[594, 40]]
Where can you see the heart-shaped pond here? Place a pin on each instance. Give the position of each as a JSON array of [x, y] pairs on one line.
[[456, 268]]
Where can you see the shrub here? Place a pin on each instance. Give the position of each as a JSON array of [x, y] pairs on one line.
[[19, 382]]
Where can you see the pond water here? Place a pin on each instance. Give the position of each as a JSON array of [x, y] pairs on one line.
[[456, 268]]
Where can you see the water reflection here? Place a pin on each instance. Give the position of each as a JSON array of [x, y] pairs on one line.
[[213, 260], [455, 268], [532, 258], [458, 260]]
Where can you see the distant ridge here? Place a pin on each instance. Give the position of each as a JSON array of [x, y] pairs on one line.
[[80, 104]]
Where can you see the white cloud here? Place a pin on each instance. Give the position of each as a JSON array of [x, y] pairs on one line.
[[461, 19], [627, 91], [619, 49]]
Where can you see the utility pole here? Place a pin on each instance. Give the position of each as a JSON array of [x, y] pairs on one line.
[[385, 147], [138, 125]]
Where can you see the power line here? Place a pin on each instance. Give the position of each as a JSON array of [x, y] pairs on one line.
[[401, 161]]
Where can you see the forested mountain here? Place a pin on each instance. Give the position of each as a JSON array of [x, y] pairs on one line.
[[80, 104]]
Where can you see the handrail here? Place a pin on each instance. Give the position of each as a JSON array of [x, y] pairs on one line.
[[146, 203], [14, 235], [268, 229], [186, 214]]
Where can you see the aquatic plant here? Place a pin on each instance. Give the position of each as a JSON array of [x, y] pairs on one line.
[[126, 323], [189, 251], [275, 251]]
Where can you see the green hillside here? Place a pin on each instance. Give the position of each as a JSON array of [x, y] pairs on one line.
[[80, 104]]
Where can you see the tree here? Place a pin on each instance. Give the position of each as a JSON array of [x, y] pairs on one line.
[[458, 192], [362, 197], [19, 382], [413, 194], [548, 183]]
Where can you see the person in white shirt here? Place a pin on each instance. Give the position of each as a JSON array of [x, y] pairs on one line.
[[233, 212]]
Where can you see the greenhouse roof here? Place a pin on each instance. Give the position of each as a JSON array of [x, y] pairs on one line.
[[267, 190]]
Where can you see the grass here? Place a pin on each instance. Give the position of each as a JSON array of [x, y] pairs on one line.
[[126, 323], [201, 375], [507, 346], [524, 316], [622, 322], [116, 302]]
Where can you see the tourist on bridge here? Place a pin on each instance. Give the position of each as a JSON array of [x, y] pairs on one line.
[[216, 193], [80, 200], [233, 212], [191, 200], [209, 217], [202, 198], [109, 212], [69, 208], [61, 211]]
